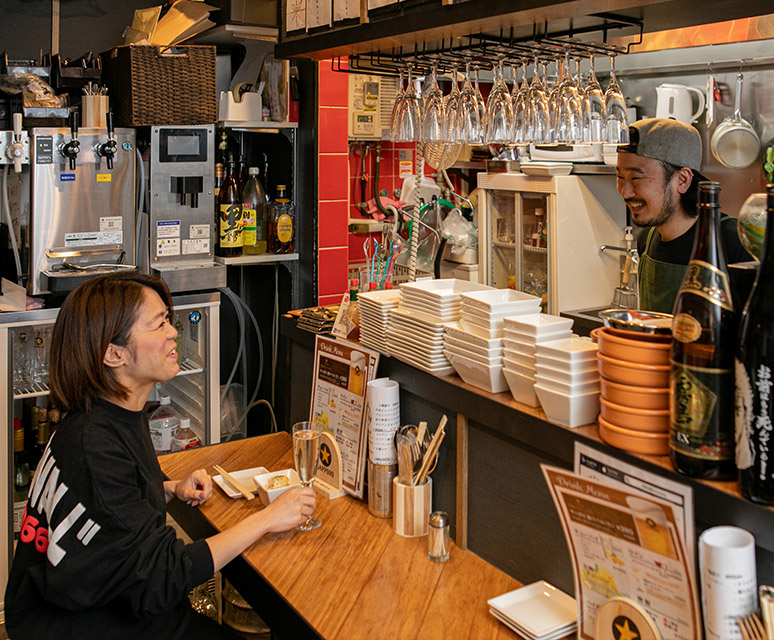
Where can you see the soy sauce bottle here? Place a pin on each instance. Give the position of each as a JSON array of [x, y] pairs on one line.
[[754, 381], [228, 217], [701, 380]]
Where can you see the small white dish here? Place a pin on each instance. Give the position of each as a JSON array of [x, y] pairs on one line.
[[489, 378], [445, 315], [443, 289], [539, 324], [244, 477], [473, 347], [380, 298], [522, 387], [457, 331], [546, 168], [539, 608], [564, 376], [572, 349], [484, 323], [482, 332], [571, 366], [520, 358], [561, 632], [518, 346], [499, 300], [417, 318], [263, 480], [429, 355], [499, 315], [519, 368], [569, 410], [436, 370], [571, 389], [488, 361]]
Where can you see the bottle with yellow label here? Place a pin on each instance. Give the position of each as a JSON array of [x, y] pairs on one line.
[[228, 217], [255, 205], [282, 227]]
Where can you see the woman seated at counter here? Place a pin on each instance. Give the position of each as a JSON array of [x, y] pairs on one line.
[[95, 557]]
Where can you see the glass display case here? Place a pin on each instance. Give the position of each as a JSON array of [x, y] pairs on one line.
[[543, 236]]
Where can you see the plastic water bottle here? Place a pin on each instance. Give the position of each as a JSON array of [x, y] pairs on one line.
[[163, 423], [185, 437]]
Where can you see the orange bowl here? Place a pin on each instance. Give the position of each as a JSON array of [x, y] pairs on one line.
[[654, 444], [639, 375], [650, 420], [639, 335], [634, 397], [632, 350]]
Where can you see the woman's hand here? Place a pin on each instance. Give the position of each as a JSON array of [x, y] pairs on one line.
[[193, 490], [289, 510]]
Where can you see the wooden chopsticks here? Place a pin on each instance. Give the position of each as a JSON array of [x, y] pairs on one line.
[[432, 452], [234, 482]]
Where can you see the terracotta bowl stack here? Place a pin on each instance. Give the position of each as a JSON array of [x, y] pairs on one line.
[[634, 390]]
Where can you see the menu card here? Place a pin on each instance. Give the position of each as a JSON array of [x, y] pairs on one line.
[[622, 544], [342, 370]]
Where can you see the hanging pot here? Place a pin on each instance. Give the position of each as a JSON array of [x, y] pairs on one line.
[[735, 143]]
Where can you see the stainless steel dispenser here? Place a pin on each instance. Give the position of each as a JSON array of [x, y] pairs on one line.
[[181, 207], [82, 204]]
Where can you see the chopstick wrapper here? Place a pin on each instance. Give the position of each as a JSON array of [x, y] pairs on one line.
[[383, 398], [728, 580]]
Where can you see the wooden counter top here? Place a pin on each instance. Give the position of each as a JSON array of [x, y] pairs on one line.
[[352, 577]]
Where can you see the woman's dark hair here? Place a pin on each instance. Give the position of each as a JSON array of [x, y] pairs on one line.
[[690, 199], [95, 314]]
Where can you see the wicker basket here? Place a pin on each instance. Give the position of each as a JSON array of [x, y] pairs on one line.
[[152, 85]]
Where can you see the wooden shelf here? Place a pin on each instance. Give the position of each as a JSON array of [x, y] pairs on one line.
[[257, 125]]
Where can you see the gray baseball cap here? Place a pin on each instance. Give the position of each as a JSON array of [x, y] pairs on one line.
[[664, 139]]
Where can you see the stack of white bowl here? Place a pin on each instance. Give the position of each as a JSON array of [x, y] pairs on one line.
[[474, 346], [521, 335], [567, 380], [417, 325], [375, 315]]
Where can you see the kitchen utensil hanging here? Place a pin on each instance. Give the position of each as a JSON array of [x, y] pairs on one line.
[[735, 143]]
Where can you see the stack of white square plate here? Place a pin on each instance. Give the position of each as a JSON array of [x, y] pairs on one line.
[[567, 380], [477, 360], [416, 327], [482, 312], [537, 611], [520, 335], [374, 317]]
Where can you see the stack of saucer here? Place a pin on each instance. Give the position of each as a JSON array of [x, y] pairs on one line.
[[521, 334], [567, 380], [416, 328], [375, 315], [537, 611]]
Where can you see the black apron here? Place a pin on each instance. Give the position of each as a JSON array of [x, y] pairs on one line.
[[659, 282]]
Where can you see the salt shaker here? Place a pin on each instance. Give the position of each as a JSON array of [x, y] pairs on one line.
[[438, 537]]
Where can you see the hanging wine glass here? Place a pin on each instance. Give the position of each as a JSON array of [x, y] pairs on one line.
[[432, 109], [396, 105], [615, 110], [469, 126], [480, 103], [538, 122], [451, 105], [568, 121], [519, 97], [594, 127], [408, 119], [499, 111]]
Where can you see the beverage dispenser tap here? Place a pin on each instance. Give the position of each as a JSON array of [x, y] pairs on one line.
[[70, 149], [15, 151], [108, 149]]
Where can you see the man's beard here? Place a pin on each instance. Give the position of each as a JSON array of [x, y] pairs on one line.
[[668, 207]]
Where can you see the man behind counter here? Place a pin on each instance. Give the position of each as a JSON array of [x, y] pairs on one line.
[[657, 175]]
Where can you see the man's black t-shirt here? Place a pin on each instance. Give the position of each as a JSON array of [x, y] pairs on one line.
[[678, 251]]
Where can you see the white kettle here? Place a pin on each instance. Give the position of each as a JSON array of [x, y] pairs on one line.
[[674, 101]]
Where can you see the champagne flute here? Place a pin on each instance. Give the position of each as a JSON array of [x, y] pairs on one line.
[[306, 452], [450, 107], [615, 110], [432, 109], [408, 119], [396, 105], [568, 116], [499, 111], [539, 121], [469, 128], [519, 95]]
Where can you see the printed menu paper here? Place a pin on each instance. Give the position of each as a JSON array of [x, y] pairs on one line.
[[342, 370], [622, 544], [601, 467]]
